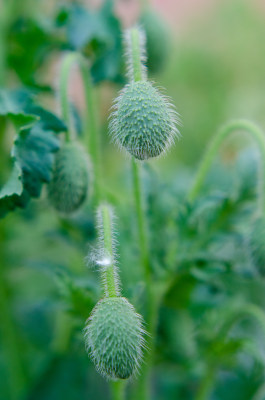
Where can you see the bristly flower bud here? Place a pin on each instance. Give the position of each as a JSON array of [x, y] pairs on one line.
[[114, 338], [143, 121], [68, 188]]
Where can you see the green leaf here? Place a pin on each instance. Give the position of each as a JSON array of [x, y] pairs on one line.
[[22, 121], [83, 26], [11, 194], [30, 41], [33, 149], [14, 185], [97, 33], [14, 101]]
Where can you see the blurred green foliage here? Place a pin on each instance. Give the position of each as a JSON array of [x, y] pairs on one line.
[[214, 71]]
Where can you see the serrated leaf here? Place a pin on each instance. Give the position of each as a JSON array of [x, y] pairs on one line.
[[22, 121], [14, 185], [46, 121], [98, 32], [32, 150], [11, 194]]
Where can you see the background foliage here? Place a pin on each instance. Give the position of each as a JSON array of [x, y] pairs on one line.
[[214, 70]]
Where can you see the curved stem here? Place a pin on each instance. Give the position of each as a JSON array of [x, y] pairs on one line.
[[66, 67], [206, 385], [108, 270], [260, 394], [91, 131], [255, 132], [248, 310]]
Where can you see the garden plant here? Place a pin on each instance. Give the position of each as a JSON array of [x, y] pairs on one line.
[[123, 275]]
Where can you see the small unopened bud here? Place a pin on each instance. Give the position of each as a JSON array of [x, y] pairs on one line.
[[114, 338], [143, 121], [68, 188]]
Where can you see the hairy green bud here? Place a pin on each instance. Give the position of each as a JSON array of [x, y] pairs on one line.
[[257, 243], [68, 188], [114, 338], [143, 121]]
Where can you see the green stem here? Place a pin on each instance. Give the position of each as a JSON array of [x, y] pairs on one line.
[[142, 385], [3, 35], [7, 15], [206, 385], [137, 67], [109, 270], [66, 68], [91, 131], [214, 147], [260, 394], [118, 390], [142, 231], [248, 310], [139, 204], [11, 347]]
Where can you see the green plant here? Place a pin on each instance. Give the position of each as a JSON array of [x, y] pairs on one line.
[[187, 252], [143, 121]]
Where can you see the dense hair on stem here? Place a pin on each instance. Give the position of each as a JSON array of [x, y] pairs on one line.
[[135, 43], [104, 255]]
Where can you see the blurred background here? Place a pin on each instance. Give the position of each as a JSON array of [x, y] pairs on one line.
[[210, 58]]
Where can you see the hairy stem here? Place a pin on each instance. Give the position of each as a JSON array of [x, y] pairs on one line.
[[136, 55], [136, 168], [142, 386], [256, 133], [108, 271]]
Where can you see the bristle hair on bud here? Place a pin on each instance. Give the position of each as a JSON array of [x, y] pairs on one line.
[[68, 188], [114, 338], [143, 121], [129, 51]]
